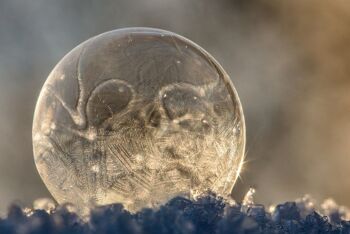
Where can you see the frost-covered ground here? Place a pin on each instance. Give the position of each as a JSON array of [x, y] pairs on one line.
[[208, 214]]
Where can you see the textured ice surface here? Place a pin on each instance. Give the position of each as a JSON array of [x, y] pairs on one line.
[[206, 215], [137, 116]]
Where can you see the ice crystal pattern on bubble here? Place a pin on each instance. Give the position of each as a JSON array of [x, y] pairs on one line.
[[137, 116]]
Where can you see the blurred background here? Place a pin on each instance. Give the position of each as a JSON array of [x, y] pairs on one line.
[[289, 61]]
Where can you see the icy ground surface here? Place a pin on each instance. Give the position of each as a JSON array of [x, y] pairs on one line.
[[208, 214]]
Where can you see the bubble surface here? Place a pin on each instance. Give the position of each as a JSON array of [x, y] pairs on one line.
[[137, 116]]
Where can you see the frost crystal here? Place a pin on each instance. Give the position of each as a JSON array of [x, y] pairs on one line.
[[206, 215], [44, 204]]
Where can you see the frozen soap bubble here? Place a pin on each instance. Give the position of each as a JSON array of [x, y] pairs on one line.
[[137, 116]]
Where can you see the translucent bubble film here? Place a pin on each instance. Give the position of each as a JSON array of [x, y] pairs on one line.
[[137, 116]]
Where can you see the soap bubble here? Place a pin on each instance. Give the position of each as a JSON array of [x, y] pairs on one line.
[[137, 116]]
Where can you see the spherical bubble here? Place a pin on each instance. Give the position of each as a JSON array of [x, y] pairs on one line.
[[137, 116]]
